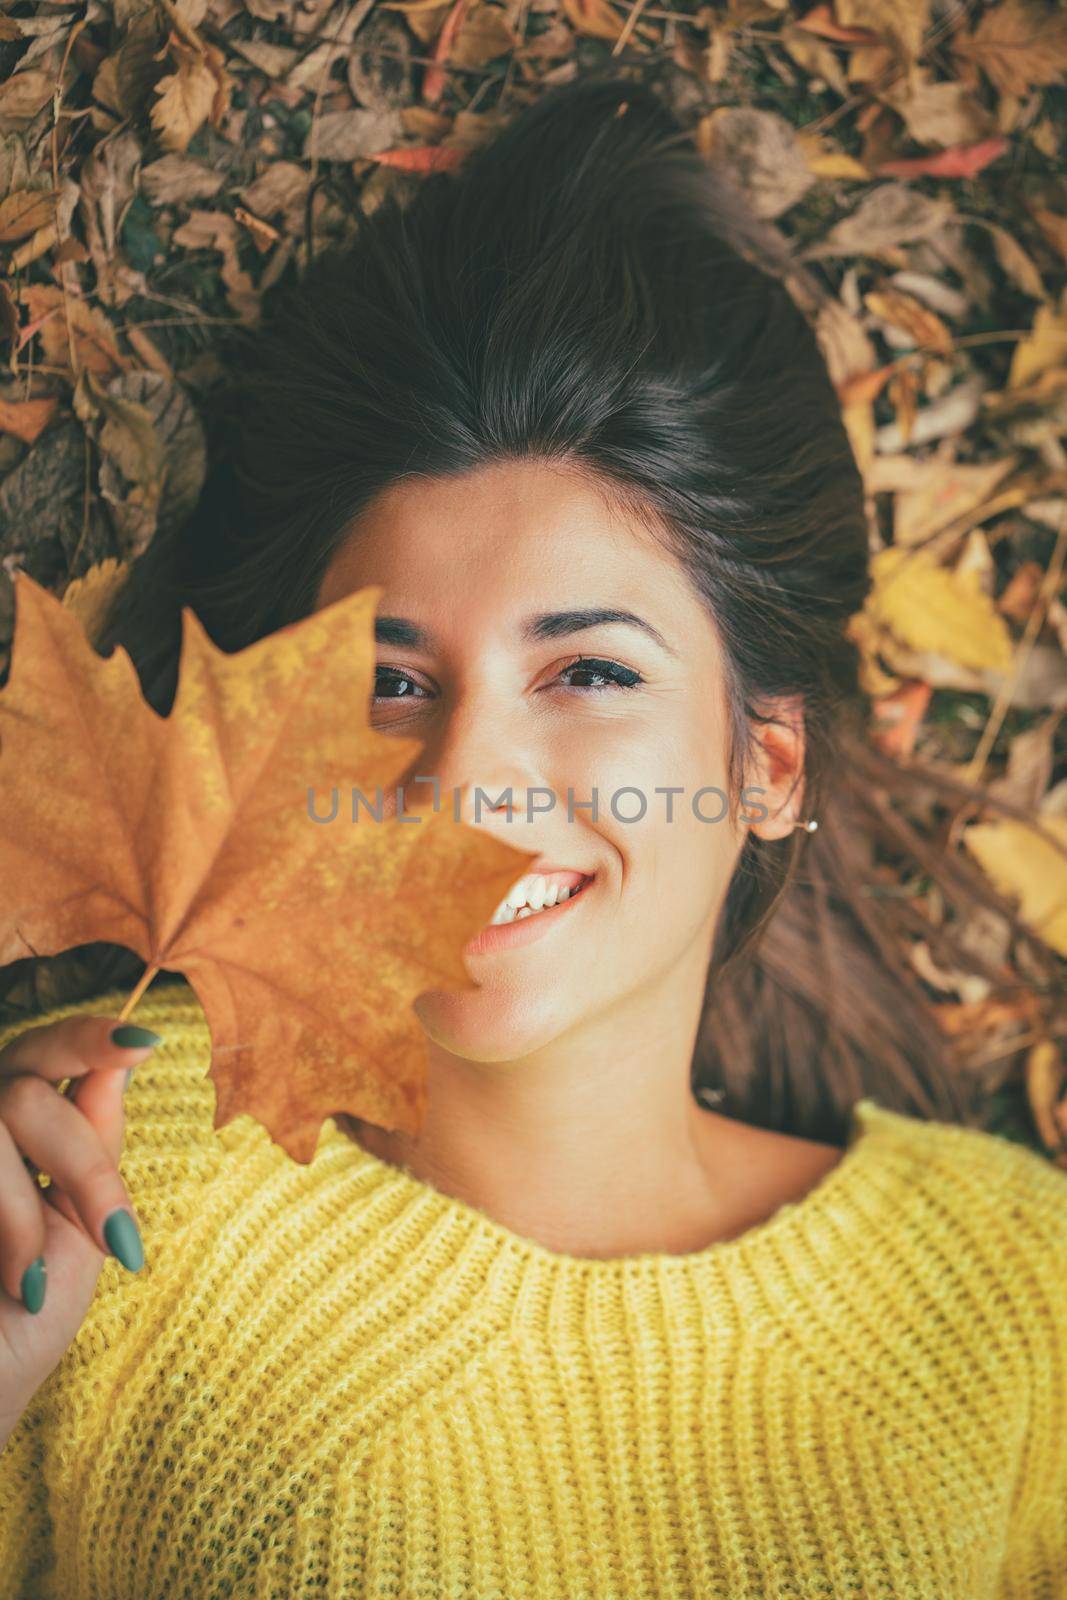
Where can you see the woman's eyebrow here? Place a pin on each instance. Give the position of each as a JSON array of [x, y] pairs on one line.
[[542, 625]]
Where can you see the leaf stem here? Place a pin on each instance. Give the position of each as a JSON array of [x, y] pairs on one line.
[[142, 984]]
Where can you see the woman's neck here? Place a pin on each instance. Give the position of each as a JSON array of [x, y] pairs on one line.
[[592, 1146]]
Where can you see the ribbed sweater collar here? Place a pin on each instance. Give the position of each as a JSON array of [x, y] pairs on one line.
[[429, 1244]]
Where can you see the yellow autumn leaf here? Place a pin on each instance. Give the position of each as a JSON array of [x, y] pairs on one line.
[[1023, 865], [1046, 347], [825, 160], [927, 607]]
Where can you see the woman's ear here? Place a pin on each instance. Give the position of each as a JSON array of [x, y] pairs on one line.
[[777, 784]]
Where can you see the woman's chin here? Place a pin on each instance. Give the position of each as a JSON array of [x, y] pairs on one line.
[[481, 1025]]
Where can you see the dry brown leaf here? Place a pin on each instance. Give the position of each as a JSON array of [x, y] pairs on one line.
[[27, 419], [88, 597], [889, 215], [1045, 1075], [845, 344], [923, 326], [197, 90], [936, 112], [174, 177], [1018, 46], [190, 841], [21, 97], [942, 492], [1053, 225], [94, 338], [483, 36], [900, 23], [23, 212], [761, 151]]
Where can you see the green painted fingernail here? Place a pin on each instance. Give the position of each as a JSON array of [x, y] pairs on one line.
[[130, 1037], [124, 1240], [34, 1283]]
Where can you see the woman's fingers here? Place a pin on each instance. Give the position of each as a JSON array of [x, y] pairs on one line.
[[75, 1141], [75, 1046]]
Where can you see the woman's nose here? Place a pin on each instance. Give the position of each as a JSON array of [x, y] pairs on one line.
[[473, 762]]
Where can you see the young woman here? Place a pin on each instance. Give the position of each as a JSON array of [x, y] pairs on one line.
[[589, 1333]]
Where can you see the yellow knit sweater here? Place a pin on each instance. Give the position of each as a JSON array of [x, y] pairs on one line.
[[334, 1380]]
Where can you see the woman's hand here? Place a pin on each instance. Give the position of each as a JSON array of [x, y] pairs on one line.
[[76, 1139]]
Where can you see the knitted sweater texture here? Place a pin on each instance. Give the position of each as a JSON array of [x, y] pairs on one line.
[[335, 1380]]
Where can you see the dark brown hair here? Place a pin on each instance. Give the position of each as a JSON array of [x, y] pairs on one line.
[[589, 291]]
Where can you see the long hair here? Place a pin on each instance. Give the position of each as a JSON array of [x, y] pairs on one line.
[[589, 290]]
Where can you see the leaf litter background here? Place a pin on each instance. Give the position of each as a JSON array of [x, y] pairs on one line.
[[163, 164]]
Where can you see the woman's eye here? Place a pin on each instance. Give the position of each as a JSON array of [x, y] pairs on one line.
[[617, 676], [401, 685]]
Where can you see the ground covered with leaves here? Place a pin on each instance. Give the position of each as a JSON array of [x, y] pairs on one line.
[[163, 163]]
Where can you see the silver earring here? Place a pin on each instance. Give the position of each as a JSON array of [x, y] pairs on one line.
[[810, 826]]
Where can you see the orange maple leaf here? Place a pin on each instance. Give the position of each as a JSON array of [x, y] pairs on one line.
[[190, 840]]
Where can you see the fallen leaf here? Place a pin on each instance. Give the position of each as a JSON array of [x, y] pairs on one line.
[[941, 493], [964, 161], [845, 344], [484, 35], [435, 77], [88, 597], [1018, 46], [91, 331], [899, 22], [936, 112], [175, 177], [27, 419], [929, 608], [898, 717], [1027, 868], [1053, 225], [23, 212], [826, 161], [764, 157], [890, 214], [1014, 260], [923, 327], [1046, 347], [821, 20], [351, 135], [594, 18], [1031, 759], [1045, 1075], [946, 418], [22, 96], [188, 839], [197, 90]]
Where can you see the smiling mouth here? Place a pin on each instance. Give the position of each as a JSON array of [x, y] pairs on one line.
[[535, 895]]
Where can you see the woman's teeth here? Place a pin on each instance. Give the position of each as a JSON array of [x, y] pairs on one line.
[[531, 895]]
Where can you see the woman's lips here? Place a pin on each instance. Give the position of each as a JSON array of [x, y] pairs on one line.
[[507, 935]]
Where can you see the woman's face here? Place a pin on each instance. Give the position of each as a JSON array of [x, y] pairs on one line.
[[471, 563]]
